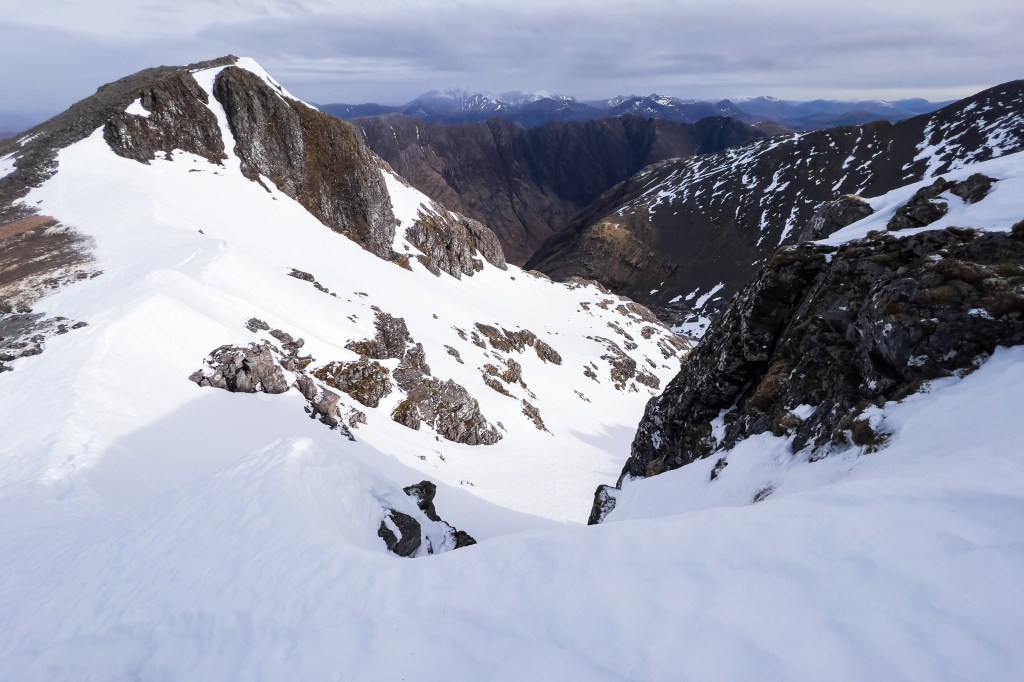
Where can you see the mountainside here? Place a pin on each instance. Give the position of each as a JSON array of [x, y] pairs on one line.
[[253, 247], [527, 183], [271, 413], [691, 231]]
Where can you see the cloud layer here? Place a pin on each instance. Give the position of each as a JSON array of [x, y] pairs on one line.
[[392, 50]]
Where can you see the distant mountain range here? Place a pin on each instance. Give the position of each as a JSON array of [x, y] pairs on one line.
[[535, 109]]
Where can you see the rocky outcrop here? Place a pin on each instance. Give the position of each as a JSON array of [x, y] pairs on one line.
[[451, 243], [24, 335], [927, 204], [318, 160], [517, 341], [424, 493], [390, 341], [823, 334], [832, 216], [449, 409], [445, 406], [401, 533], [238, 369], [405, 536], [179, 118], [364, 380]]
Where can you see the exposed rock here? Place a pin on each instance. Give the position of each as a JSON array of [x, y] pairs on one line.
[[927, 206], [973, 189], [179, 118], [324, 406], [450, 243], [390, 341], [254, 324], [307, 277], [517, 341], [719, 467], [243, 370], [449, 409], [604, 503], [412, 369], [832, 216], [622, 368], [402, 534], [533, 414], [363, 379], [924, 208], [463, 539], [319, 161], [866, 325], [424, 493], [23, 335]]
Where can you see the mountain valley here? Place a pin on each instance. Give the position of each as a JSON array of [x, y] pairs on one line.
[[616, 398]]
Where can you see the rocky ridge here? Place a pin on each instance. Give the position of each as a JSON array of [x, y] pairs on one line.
[[688, 225], [825, 335]]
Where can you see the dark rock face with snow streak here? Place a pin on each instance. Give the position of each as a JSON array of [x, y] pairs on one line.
[[840, 331], [319, 161], [407, 540], [688, 224]]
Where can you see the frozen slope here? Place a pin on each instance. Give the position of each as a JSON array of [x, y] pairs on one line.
[[190, 251], [156, 530], [903, 565]]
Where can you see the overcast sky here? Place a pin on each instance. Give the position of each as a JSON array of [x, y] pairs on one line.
[[56, 52]]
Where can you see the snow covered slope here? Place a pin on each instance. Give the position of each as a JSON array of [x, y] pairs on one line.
[[190, 251], [159, 530]]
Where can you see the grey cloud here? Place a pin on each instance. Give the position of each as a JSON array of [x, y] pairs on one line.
[[391, 51]]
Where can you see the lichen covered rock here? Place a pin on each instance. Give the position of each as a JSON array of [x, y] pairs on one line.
[[365, 380], [449, 409]]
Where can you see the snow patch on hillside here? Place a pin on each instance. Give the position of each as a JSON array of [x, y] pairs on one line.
[[998, 211], [7, 165]]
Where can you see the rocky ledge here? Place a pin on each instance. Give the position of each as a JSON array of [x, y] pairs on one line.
[[822, 334]]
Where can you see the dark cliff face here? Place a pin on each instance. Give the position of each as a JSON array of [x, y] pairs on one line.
[[692, 223], [314, 158], [527, 183], [840, 330]]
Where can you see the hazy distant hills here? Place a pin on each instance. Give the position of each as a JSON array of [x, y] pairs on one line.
[[535, 109]]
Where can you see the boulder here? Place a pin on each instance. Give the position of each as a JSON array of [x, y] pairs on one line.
[[249, 369], [832, 216]]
